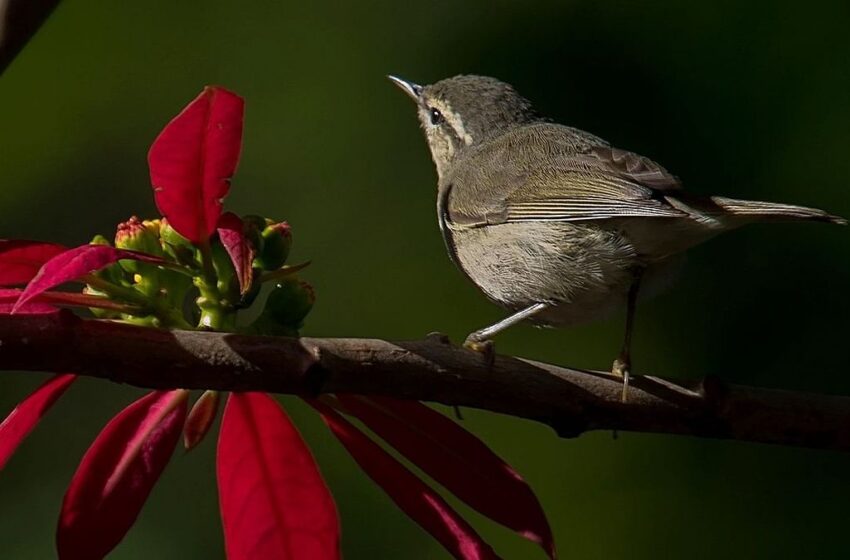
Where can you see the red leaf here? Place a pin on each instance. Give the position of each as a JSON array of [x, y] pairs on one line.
[[26, 415], [192, 160], [78, 262], [117, 474], [200, 419], [420, 502], [30, 308], [232, 236], [458, 460], [274, 503], [46, 300], [20, 260], [9, 296], [27, 309]]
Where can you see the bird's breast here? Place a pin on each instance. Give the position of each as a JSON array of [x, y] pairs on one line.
[[583, 271]]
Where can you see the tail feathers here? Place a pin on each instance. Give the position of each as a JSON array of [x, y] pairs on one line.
[[774, 211]]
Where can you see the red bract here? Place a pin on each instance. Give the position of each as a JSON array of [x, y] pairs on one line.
[[31, 308], [274, 503], [74, 263], [27, 414], [231, 233], [458, 460], [200, 419], [413, 496], [192, 160], [46, 300], [20, 260], [117, 474], [10, 295]]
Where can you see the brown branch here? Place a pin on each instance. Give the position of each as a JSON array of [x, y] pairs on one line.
[[569, 400]]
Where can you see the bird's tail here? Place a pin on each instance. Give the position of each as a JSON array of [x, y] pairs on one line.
[[773, 211]]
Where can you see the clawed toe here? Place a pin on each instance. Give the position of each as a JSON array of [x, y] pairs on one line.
[[621, 368], [484, 347]]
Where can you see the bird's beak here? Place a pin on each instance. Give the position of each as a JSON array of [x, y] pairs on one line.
[[414, 91]]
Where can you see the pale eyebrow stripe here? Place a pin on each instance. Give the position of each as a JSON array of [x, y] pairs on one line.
[[453, 119]]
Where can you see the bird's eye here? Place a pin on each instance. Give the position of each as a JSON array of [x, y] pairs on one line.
[[436, 116]]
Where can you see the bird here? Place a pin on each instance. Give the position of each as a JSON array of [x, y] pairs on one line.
[[554, 224]]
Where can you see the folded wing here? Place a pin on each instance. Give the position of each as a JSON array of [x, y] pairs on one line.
[[560, 177]]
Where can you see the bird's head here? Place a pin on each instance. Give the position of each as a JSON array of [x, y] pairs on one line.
[[462, 111]]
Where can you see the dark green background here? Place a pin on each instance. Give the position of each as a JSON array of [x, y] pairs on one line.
[[748, 99]]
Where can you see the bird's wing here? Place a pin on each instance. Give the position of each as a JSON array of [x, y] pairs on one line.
[[570, 196], [633, 167], [550, 172]]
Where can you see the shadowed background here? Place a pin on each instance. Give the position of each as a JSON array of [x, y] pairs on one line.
[[742, 99]]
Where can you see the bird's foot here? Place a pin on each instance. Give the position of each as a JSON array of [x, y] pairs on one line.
[[621, 368], [484, 347]]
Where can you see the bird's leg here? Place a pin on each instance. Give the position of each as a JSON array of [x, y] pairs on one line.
[[480, 340], [623, 364]]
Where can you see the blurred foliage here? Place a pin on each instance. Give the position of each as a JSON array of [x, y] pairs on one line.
[[743, 99]]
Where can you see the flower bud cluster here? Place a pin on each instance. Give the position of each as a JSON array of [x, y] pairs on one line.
[[203, 285]]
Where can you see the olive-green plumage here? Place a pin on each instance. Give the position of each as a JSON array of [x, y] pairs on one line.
[[550, 219]]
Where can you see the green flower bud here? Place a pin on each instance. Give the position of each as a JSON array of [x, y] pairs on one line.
[[142, 236], [169, 235], [175, 245], [277, 240], [138, 235], [290, 301], [286, 307]]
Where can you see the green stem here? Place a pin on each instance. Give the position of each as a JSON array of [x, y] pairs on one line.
[[207, 266], [175, 318], [176, 267], [214, 314], [216, 318], [167, 314], [123, 293], [89, 302]]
